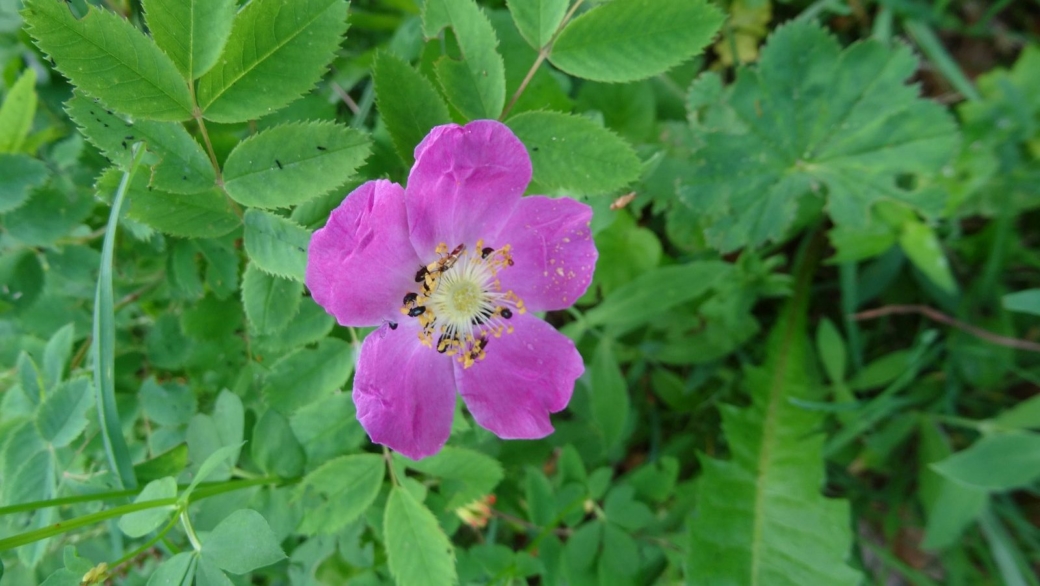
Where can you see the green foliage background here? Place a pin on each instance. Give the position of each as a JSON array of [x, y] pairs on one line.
[[809, 341]]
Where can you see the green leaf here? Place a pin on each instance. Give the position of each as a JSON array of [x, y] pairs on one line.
[[17, 111], [537, 19], [923, 249], [831, 348], [996, 462], [345, 488], [809, 116], [61, 417], [1025, 415], [951, 506], [18, 175], [1027, 301], [610, 401], [176, 571], [191, 32], [628, 40], [223, 457], [328, 428], [270, 302], [655, 292], [171, 404], [541, 500], [574, 155], [417, 550], [408, 103], [465, 475], [141, 523], [765, 502], [276, 245], [183, 166], [50, 213], [476, 86], [275, 54], [109, 59], [209, 574], [275, 448], [309, 325], [56, 354], [222, 270], [170, 462], [307, 375], [292, 163], [242, 542]]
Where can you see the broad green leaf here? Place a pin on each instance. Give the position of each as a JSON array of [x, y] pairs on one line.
[[171, 462], [950, 506], [109, 59], [56, 355], [176, 571], [311, 324], [270, 302], [307, 375], [275, 54], [18, 175], [655, 292], [212, 318], [923, 249], [574, 155], [277, 245], [208, 574], [275, 448], [1025, 415], [166, 345], [328, 428], [141, 523], [996, 462], [811, 116], [61, 417], [191, 32], [537, 19], [466, 475], [183, 166], [21, 281], [408, 103], [609, 399], [292, 163], [545, 90], [765, 502], [222, 457], [242, 543], [628, 40], [17, 111], [51, 212], [417, 550], [1027, 301], [476, 85], [345, 488], [26, 465]]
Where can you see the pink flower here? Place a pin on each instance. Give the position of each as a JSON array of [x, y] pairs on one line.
[[450, 268]]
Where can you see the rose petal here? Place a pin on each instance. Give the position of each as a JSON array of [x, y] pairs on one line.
[[361, 264], [525, 376], [553, 252], [464, 184], [404, 392]]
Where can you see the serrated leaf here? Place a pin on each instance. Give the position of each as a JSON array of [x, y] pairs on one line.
[[292, 163], [466, 475], [276, 245], [307, 375], [242, 542], [610, 400], [270, 302], [417, 550], [765, 502], [476, 86], [309, 325], [17, 111], [629, 40], [141, 523], [275, 448], [408, 103], [56, 355], [346, 487], [109, 59], [183, 166], [537, 20], [18, 175], [191, 32], [272, 40], [61, 417], [574, 155], [809, 116]]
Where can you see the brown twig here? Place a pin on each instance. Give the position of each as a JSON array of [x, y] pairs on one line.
[[942, 318]]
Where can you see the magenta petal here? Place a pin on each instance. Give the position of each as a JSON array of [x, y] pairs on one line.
[[361, 264], [464, 184], [553, 252], [404, 392], [525, 376]]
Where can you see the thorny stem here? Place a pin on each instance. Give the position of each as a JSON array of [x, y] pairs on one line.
[[543, 54], [942, 318]]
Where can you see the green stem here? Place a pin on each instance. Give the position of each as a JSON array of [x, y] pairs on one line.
[[143, 548], [105, 333], [190, 531]]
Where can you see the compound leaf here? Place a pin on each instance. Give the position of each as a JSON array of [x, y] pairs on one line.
[[477, 84], [417, 550], [408, 103], [346, 486], [537, 20], [270, 302], [191, 32], [276, 245]]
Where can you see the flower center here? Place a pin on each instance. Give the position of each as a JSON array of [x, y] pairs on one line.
[[460, 303]]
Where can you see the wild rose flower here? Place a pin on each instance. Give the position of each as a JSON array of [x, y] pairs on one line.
[[450, 269]]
